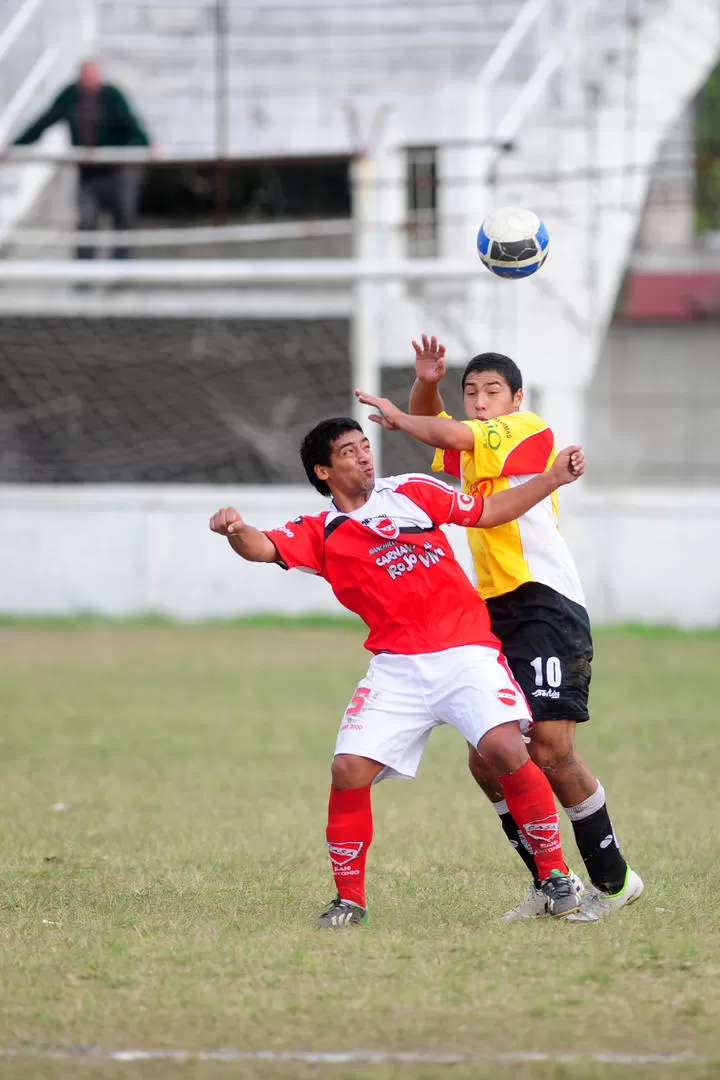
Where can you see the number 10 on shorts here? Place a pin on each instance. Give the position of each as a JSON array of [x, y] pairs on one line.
[[553, 671]]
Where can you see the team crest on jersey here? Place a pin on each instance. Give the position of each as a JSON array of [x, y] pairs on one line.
[[383, 526], [507, 695], [342, 854]]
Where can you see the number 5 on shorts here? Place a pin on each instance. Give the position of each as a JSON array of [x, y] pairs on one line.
[[357, 701]]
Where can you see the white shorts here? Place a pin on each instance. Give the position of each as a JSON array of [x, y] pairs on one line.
[[402, 698]]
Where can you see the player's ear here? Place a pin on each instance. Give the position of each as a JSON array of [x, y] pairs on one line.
[[518, 399], [322, 472]]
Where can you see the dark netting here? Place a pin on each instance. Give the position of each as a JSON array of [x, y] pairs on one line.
[[165, 400], [400, 453]]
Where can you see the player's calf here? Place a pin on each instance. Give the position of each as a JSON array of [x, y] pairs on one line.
[[487, 780], [583, 798], [530, 801], [349, 835]]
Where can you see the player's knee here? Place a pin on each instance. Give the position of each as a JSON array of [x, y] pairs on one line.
[[503, 750], [555, 749], [349, 771]]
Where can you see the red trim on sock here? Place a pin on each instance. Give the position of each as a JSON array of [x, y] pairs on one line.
[[530, 801], [349, 835]]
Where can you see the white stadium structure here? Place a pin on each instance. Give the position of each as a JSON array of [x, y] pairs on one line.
[[183, 378]]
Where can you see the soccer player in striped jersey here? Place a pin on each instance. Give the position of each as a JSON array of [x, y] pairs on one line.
[[527, 576]]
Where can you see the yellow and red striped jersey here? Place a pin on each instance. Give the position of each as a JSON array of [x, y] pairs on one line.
[[507, 451]]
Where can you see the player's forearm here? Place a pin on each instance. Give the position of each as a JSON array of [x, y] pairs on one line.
[[253, 545], [436, 431], [425, 399], [508, 505]]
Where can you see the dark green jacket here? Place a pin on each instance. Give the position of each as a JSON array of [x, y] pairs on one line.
[[117, 123]]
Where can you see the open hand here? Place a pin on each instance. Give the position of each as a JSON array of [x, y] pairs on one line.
[[226, 522], [388, 415], [429, 359], [569, 465]]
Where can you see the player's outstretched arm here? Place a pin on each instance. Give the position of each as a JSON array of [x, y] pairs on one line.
[[247, 541], [505, 506], [437, 431], [425, 397]]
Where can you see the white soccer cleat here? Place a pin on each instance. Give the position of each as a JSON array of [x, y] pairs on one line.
[[596, 905], [534, 906]]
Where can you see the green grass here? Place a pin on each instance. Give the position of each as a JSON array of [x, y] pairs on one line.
[[171, 903]]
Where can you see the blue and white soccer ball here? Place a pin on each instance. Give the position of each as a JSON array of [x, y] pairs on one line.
[[512, 242]]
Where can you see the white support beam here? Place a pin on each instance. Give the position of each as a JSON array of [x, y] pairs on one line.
[[200, 272]]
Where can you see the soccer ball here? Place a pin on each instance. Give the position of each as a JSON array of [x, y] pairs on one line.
[[512, 242]]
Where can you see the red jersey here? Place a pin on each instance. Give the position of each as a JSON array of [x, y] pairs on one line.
[[391, 563]]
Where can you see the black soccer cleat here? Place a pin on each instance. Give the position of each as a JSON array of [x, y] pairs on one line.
[[342, 913], [561, 894]]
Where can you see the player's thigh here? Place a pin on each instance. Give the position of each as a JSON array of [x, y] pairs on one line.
[[473, 689], [387, 720], [550, 654]]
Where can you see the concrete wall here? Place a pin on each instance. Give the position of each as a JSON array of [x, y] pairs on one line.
[[653, 406], [648, 555]]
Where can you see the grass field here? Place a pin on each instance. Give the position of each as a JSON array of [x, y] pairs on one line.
[[163, 804]]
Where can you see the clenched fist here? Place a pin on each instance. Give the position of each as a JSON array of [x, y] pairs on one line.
[[226, 522], [569, 465]]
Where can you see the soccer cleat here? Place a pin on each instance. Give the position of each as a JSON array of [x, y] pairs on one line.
[[561, 895], [534, 906], [597, 904], [342, 913]]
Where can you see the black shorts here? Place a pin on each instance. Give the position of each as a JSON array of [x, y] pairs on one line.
[[548, 644]]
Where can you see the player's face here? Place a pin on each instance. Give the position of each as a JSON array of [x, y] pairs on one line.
[[487, 395], [352, 470]]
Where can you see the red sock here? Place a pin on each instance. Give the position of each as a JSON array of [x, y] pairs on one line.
[[530, 801], [349, 835]]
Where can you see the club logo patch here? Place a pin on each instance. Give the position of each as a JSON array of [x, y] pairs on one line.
[[507, 695], [383, 526], [342, 854], [545, 829], [466, 501]]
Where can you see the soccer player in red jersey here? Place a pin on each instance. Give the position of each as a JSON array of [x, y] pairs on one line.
[[435, 661]]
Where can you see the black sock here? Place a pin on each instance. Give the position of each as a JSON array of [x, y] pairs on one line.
[[597, 843], [517, 840]]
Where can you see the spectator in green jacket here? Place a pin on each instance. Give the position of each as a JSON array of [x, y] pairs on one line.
[[97, 114]]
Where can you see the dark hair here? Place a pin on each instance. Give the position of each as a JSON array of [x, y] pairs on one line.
[[494, 361], [317, 445]]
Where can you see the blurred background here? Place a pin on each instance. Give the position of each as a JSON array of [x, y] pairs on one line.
[[217, 217]]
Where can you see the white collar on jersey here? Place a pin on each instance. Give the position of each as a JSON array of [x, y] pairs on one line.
[[395, 505]]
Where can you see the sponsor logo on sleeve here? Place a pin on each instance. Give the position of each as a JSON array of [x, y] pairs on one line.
[[467, 505]]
